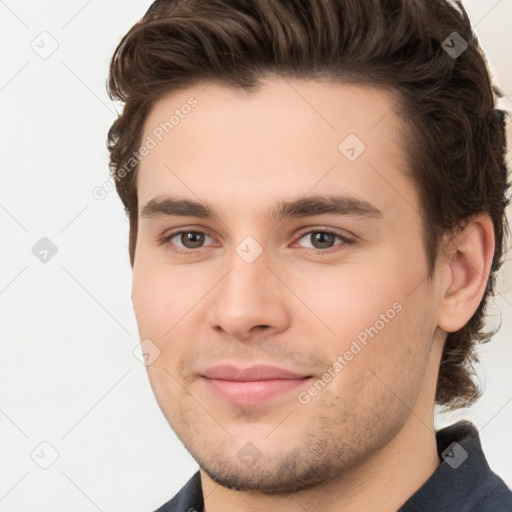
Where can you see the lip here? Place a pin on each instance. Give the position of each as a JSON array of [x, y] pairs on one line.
[[251, 374], [250, 386]]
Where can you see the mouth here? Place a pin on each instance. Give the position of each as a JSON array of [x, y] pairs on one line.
[[251, 386]]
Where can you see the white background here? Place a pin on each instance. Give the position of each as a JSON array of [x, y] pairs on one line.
[[68, 373]]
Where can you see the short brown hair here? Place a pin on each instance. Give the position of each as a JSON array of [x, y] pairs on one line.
[[454, 138]]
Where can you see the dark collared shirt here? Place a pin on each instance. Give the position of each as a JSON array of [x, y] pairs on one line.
[[463, 482]]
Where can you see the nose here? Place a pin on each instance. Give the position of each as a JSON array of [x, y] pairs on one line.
[[249, 300]]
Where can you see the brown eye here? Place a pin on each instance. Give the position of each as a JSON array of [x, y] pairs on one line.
[[192, 239], [320, 239], [187, 240]]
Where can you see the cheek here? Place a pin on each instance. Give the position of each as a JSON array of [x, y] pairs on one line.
[[348, 300], [381, 377], [158, 308], [380, 317], [159, 297], [144, 298], [163, 302]]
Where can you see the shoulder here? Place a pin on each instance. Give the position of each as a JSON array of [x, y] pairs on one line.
[[493, 495], [463, 481], [188, 499]]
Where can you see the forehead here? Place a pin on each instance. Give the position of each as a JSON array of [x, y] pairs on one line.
[[286, 138]]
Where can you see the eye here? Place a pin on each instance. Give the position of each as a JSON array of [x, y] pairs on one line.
[[188, 239], [322, 240]]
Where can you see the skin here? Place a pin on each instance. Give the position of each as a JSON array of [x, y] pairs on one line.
[[366, 440]]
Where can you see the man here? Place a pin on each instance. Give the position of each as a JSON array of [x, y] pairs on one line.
[[316, 194]]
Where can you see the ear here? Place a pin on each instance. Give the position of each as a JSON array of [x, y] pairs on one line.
[[466, 263]]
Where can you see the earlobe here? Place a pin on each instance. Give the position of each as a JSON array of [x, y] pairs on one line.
[[467, 260]]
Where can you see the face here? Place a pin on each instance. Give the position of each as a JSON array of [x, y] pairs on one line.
[[280, 279]]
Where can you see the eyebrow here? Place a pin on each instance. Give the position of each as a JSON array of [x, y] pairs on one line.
[[303, 207]]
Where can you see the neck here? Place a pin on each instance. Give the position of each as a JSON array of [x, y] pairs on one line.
[[383, 482]]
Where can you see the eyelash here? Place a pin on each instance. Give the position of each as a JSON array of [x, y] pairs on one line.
[[346, 241]]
